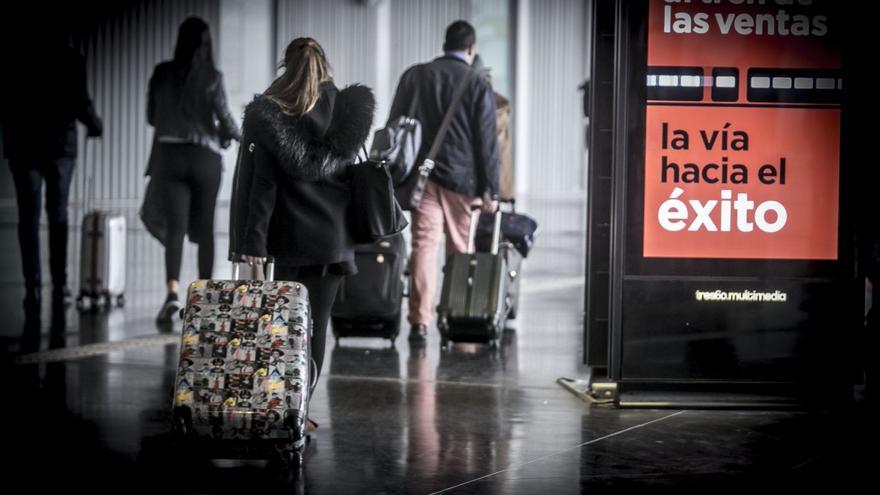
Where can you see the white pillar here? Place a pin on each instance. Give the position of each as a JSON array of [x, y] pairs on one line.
[[385, 81], [244, 47], [522, 110]]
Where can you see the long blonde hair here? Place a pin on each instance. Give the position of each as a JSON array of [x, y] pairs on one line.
[[305, 68]]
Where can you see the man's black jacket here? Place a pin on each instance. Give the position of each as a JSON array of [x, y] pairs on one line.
[[467, 161]]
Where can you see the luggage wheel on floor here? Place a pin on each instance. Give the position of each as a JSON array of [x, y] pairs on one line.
[[105, 301]]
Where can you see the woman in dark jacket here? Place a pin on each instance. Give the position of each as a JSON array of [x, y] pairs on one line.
[[291, 194], [187, 106]]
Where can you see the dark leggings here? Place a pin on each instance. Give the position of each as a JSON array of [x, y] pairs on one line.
[[322, 293], [29, 176], [189, 177]]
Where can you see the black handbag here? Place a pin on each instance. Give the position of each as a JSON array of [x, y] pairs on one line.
[[374, 212], [410, 192], [516, 228]]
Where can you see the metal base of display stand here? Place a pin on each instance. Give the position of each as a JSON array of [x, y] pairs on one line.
[[694, 395], [598, 393]]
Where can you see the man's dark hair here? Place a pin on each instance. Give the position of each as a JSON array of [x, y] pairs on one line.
[[460, 35]]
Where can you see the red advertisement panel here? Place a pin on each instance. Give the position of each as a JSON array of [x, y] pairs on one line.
[[742, 131]]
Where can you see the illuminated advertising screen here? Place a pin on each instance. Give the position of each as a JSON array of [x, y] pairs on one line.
[[742, 131], [737, 258]]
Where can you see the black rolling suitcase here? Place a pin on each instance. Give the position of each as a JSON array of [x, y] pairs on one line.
[[246, 371], [473, 299], [368, 303]]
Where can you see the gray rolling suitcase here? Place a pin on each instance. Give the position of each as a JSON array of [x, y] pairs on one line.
[[246, 370], [102, 260], [473, 303], [102, 253]]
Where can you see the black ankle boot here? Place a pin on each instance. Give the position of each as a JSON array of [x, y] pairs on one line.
[[62, 295], [169, 309], [33, 298]]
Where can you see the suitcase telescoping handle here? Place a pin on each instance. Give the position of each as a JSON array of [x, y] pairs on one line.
[[472, 230], [90, 180], [270, 267]]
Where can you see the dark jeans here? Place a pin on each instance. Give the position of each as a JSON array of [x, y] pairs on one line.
[[189, 177], [29, 176], [322, 293]]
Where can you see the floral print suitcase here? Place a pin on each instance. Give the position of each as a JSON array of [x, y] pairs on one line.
[[245, 363]]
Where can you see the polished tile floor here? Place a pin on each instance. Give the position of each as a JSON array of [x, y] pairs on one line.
[[470, 419]]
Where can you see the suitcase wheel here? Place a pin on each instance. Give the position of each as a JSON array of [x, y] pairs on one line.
[[292, 460], [511, 306], [181, 422], [443, 327], [88, 303], [393, 328], [120, 300]]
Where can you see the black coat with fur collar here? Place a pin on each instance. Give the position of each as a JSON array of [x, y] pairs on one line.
[[291, 190]]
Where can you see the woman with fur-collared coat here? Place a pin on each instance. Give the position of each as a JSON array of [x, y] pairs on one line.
[[291, 192]]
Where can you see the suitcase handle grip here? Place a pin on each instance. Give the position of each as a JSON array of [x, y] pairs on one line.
[[472, 230], [269, 271], [496, 232]]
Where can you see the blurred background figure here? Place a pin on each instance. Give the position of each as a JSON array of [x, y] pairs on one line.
[[585, 89], [466, 164], [41, 104], [506, 172], [187, 106]]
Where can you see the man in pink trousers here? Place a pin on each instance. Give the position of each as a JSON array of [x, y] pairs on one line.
[[466, 165]]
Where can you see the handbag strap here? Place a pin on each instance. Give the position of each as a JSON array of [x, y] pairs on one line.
[[447, 118]]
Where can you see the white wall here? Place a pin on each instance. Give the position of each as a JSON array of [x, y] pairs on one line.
[[245, 46], [375, 42], [551, 62]]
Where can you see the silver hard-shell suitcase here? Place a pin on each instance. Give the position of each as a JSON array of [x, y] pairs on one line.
[[102, 253], [102, 260]]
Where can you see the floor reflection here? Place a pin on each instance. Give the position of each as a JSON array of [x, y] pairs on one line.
[[365, 398], [471, 410], [393, 419]]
